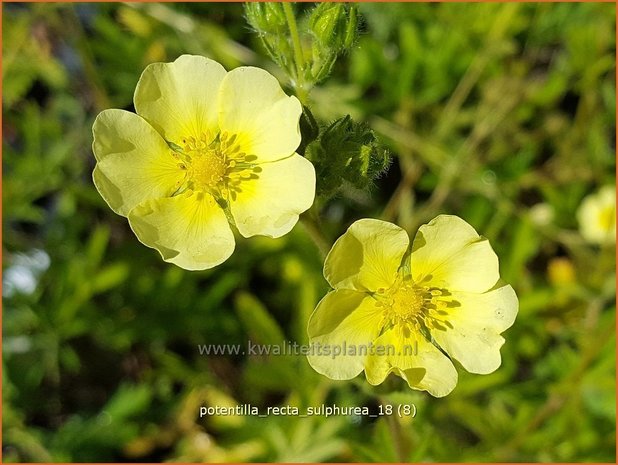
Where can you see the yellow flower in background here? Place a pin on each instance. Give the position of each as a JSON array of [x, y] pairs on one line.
[[207, 147], [597, 216], [406, 308]]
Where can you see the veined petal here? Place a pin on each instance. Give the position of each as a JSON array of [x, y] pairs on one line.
[[367, 256], [264, 119], [473, 334], [270, 204], [449, 253], [179, 98], [344, 321], [189, 230], [411, 356], [134, 164]]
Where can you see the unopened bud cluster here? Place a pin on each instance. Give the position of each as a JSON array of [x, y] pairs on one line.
[[269, 22], [346, 152], [334, 27], [331, 30], [306, 46]]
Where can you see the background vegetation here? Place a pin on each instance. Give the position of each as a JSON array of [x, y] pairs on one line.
[[503, 114]]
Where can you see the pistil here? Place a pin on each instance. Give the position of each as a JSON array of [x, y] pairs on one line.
[[214, 164], [415, 306]]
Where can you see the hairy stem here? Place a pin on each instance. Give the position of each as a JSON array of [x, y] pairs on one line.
[[298, 52], [315, 233]]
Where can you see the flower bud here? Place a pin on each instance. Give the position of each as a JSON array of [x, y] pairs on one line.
[[347, 152], [351, 33], [334, 25], [266, 18]]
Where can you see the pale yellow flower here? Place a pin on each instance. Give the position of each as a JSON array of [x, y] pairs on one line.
[[444, 296], [597, 216], [207, 147]]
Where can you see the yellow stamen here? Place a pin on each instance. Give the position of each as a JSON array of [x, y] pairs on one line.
[[207, 169], [408, 303], [215, 165]]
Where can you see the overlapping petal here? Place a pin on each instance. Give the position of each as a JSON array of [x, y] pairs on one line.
[[270, 204], [411, 356], [179, 99], [343, 317], [253, 106], [134, 163], [448, 253], [473, 334], [189, 230], [367, 256]]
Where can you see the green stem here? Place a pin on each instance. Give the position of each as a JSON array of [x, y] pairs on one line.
[[315, 233], [298, 52], [397, 435]]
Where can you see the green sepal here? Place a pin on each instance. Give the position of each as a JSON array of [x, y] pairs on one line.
[[309, 130], [346, 152]]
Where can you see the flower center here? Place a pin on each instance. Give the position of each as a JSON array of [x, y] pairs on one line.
[[415, 306], [207, 169], [214, 164], [407, 301]]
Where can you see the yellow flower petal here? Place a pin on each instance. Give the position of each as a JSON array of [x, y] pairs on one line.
[[367, 256], [253, 106], [270, 204], [473, 334], [409, 355], [342, 317], [179, 98], [448, 253], [189, 230], [134, 163]]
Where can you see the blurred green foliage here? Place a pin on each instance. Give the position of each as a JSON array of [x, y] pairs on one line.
[[503, 114]]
